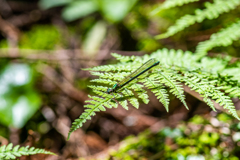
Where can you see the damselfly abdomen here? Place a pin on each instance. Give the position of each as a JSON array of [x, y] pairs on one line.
[[142, 69]]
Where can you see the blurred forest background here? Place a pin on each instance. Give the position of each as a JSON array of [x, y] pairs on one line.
[[44, 44]]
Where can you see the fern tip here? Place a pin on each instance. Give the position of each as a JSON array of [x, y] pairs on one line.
[[68, 137]]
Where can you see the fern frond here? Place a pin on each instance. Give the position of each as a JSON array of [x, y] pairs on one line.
[[223, 38], [98, 104], [134, 102], [159, 91], [110, 75], [171, 4], [141, 93], [108, 68], [113, 68], [199, 85], [10, 152], [98, 88], [224, 101], [94, 106], [124, 104], [235, 72], [218, 95], [213, 65], [212, 11], [233, 91], [228, 84], [170, 80], [212, 78], [104, 81], [168, 58], [144, 97], [123, 58]]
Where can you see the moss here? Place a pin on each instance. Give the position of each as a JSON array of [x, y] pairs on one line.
[[171, 144]]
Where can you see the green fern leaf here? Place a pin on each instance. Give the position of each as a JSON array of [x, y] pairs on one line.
[[134, 102], [170, 4], [168, 58], [109, 75], [158, 90], [123, 58], [144, 97], [175, 88], [223, 38], [104, 81], [235, 72], [8, 152], [226, 102], [162, 96], [199, 85], [212, 11], [124, 104], [97, 104], [205, 77], [233, 91]]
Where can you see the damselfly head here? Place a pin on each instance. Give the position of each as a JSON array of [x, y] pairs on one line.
[[109, 90]]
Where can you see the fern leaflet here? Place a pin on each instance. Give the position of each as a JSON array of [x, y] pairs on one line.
[[223, 38], [170, 4]]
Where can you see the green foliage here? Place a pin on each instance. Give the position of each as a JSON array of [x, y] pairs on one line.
[[113, 11], [10, 152], [189, 140], [170, 4], [79, 9], [3, 44], [138, 22], [205, 77], [18, 98], [225, 37], [53, 3], [94, 38], [43, 37], [40, 37], [212, 11], [159, 90]]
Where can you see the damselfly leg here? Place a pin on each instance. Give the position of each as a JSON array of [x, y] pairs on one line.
[[127, 91]]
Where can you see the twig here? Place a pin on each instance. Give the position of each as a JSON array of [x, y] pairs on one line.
[[12, 33], [197, 95], [49, 55], [64, 85]]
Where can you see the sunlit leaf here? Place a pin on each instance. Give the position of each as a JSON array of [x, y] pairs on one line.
[[116, 10], [18, 99], [79, 9], [46, 4]]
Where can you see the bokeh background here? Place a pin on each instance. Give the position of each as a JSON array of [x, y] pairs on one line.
[[44, 44]]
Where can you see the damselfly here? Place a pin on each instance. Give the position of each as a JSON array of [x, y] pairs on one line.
[[142, 69]]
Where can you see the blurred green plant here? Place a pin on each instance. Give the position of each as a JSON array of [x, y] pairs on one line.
[[43, 37], [171, 4], [225, 37], [188, 141], [111, 10], [143, 26], [10, 152], [94, 38], [18, 98]]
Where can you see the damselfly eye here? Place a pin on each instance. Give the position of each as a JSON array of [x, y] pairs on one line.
[[109, 90]]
